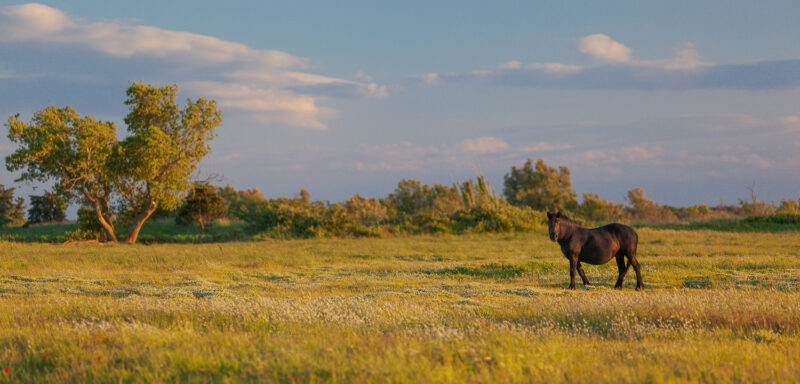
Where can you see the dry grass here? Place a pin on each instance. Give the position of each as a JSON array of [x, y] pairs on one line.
[[718, 307]]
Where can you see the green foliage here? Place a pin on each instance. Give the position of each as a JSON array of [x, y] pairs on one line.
[[498, 218], [789, 207], [38, 233], [202, 206], [411, 208], [46, 208], [300, 217], [165, 145], [765, 223], [241, 203], [780, 218], [79, 235], [12, 211], [596, 209], [412, 197], [541, 187], [150, 168], [367, 211], [487, 271], [73, 151], [642, 208]]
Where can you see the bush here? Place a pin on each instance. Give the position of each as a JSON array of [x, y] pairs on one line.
[[780, 218], [88, 224], [498, 218], [84, 235]]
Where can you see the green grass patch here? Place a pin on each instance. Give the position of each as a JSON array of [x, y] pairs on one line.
[[487, 271], [766, 223]]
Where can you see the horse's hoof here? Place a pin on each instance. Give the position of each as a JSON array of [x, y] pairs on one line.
[[640, 288], [618, 287], [571, 288]]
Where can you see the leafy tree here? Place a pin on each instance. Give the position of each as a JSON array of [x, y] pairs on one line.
[[366, 211], [241, 203], [150, 168], [203, 205], [46, 208], [12, 211], [641, 207], [59, 145], [540, 187], [595, 208]]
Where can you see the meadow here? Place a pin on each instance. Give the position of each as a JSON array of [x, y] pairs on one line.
[[717, 307]]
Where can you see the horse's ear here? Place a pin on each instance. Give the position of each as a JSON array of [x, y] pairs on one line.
[[558, 214], [550, 216]]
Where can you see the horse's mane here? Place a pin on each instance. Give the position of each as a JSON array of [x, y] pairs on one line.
[[566, 219]]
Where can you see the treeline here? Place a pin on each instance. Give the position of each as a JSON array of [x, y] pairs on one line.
[[468, 207], [472, 206]]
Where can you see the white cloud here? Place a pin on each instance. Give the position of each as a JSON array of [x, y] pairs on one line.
[[544, 146], [790, 122], [555, 68], [264, 83], [603, 48], [430, 78], [483, 145], [687, 59], [685, 71], [31, 21]]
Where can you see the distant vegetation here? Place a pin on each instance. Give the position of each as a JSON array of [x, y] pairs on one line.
[[121, 184]]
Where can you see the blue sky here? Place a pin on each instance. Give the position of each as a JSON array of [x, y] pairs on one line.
[[691, 101]]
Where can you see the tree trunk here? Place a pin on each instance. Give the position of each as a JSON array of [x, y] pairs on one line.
[[138, 222], [106, 225]]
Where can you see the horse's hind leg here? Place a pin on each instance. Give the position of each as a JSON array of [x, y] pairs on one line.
[[583, 275], [638, 269], [622, 270]]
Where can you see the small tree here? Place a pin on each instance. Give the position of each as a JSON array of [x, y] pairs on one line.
[[12, 211], [540, 187], [47, 208], [203, 205]]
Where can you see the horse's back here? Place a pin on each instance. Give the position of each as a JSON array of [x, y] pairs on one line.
[[626, 236]]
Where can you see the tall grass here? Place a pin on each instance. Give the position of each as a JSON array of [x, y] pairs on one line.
[[718, 307]]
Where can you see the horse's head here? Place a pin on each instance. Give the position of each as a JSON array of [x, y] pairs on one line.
[[554, 224]]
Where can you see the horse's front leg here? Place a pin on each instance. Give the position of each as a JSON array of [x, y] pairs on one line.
[[573, 267]]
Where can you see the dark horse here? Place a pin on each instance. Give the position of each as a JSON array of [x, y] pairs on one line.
[[595, 246]]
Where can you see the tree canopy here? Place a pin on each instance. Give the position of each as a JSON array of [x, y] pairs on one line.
[[12, 211], [130, 178], [46, 208], [540, 187], [203, 205]]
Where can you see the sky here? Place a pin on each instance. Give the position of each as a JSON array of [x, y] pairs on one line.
[[693, 101]]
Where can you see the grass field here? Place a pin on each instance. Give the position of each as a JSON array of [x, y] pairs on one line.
[[718, 307]]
